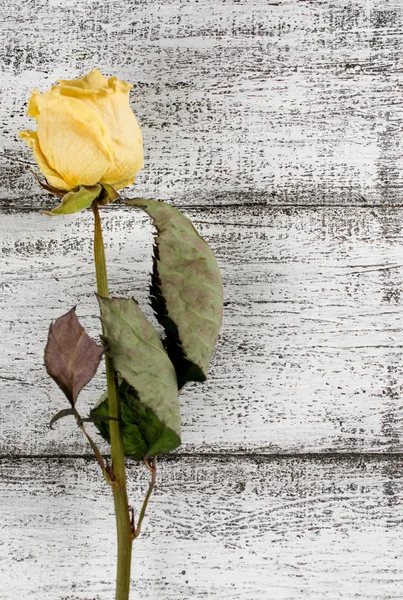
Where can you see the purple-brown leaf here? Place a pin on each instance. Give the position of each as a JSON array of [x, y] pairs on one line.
[[71, 356]]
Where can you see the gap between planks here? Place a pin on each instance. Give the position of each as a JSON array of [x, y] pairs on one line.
[[16, 208], [227, 456]]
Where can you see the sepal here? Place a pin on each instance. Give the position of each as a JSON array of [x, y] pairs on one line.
[[75, 201], [107, 195]]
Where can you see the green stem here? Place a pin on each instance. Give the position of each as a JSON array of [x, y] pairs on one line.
[[123, 524], [153, 470], [93, 445]]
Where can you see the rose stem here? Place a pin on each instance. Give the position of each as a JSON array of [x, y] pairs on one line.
[[153, 470], [123, 524]]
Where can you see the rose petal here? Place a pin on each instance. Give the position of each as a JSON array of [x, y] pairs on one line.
[[110, 97], [73, 139], [53, 178]]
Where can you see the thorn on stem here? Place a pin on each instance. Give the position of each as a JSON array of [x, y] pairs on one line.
[[152, 467], [132, 522], [109, 470]]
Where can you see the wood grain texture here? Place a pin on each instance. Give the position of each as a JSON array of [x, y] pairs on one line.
[[278, 126], [309, 357], [288, 528], [285, 102]]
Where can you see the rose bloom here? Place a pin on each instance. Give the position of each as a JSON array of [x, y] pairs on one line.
[[87, 133]]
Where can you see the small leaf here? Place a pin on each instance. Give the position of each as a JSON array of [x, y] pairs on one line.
[[71, 356], [187, 293], [150, 410], [75, 201], [66, 412]]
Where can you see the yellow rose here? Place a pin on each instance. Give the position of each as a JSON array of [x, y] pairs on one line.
[[87, 133]]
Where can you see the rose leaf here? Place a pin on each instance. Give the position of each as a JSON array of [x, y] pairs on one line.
[[186, 290], [148, 391], [71, 356]]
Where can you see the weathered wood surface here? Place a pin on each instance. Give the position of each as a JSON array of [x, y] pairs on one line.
[[239, 101], [262, 119], [310, 354], [318, 529]]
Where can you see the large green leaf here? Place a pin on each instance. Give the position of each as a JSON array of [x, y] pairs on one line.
[[149, 401], [144, 434], [187, 293]]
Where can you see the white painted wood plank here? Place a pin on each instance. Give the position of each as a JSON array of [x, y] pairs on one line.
[[239, 101], [288, 529], [310, 354]]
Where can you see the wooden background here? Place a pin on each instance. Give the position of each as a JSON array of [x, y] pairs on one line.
[[276, 126]]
